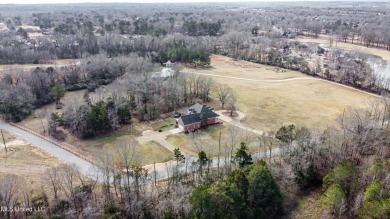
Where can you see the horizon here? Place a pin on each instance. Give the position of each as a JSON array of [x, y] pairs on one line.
[[32, 2]]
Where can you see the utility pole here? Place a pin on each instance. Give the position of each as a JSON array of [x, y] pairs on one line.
[[219, 150], [2, 135], [154, 166]]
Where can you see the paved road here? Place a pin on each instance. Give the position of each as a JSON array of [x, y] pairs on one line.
[[86, 167], [163, 170]]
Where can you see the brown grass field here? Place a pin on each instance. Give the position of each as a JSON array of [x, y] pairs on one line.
[[14, 68], [26, 161], [310, 103], [323, 39]]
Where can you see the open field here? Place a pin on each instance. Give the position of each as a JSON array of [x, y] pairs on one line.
[[271, 104], [13, 68], [26, 161], [222, 65], [323, 39]]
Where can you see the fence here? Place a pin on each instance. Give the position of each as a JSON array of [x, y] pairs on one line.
[[62, 145]]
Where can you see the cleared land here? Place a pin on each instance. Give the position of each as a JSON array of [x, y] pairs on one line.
[[323, 39], [13, 68], [269, 104], [26, 161]]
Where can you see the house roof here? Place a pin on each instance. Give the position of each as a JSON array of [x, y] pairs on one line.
[[196, 108], [194, 113], [189, 119]]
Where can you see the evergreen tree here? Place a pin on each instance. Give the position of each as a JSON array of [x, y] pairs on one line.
[[202, 160], [178, 156], [204, 120], [242, 156], [58, 92], [264, 195], [202, 203]]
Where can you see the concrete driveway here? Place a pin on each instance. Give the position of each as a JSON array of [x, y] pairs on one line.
[[159, 137], [236, 121]]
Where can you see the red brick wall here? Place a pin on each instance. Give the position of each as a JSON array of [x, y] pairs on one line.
[[196, 125], [212, 121], [192, 126]]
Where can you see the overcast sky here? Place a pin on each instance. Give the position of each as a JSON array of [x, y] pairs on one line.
[[134, 1]]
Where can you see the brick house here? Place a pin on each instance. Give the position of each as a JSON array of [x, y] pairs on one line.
[[190, 120]]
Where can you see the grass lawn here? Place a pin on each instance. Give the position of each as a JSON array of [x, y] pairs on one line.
[[149, 152], [154, 152], [222, 65], [163, 125], [208, 140], [268, 106]]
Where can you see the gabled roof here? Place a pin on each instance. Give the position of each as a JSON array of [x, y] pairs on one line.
[[189, 119], [195, 111], [197, 108]]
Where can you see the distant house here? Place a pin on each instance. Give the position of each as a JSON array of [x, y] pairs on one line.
[[191, 119], [289, 34], [164, 73], [322, 50], [169, 64]]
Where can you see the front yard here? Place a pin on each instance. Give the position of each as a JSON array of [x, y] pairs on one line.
[[208, 140]]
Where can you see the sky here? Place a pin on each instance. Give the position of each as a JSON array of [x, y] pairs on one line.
[[131, 1]]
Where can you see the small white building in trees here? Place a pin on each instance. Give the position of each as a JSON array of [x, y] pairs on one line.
[[169, 64]]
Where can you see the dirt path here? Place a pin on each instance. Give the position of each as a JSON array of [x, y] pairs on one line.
[[287, 80]]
